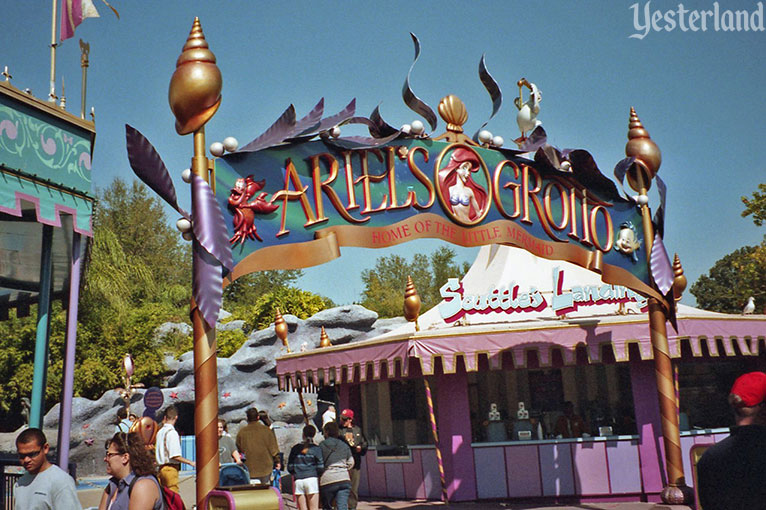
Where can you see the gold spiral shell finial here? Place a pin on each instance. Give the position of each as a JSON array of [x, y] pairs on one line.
[[195, 87], [280, 327], [411, 303], [679, 280], [324, 340], [648, 156]]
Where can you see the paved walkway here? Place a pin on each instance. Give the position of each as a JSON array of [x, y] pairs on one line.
[[91, 497]]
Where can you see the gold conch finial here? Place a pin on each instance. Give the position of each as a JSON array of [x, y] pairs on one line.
[[679, 280], [411, 303], [648, 157], [280, 327], [324, 340], [195, 88]]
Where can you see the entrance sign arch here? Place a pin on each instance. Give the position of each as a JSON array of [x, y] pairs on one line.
[[287, 200]]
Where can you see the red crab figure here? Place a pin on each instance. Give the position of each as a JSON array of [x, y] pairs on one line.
[[244, 212]]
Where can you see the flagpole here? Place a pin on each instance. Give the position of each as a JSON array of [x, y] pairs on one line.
[[84, 51], [52, 93]]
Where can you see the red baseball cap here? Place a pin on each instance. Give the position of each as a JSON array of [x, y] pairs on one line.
[[348, 413], [751, 388]]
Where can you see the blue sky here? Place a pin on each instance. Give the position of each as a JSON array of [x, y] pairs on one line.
[[700, 94]]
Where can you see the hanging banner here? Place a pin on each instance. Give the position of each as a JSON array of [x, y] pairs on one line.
[[294, 205]]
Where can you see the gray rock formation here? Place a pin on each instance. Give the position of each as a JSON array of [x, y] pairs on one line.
[[247, 378]]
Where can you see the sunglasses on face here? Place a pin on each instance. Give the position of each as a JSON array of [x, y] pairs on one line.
[[109, 454], [30, 455]]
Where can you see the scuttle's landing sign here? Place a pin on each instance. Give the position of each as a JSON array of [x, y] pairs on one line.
[[294, 205], [511, 298]]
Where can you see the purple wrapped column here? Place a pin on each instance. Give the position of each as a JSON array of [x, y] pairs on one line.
[[67, 391]]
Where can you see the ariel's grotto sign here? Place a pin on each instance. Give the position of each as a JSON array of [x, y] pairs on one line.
[[294, 204]]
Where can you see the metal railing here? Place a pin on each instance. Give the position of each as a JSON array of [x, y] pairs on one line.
[[8, 478], [10, 472]]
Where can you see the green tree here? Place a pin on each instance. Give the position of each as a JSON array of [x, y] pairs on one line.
[[137, 217], [756, 205], [740, 274], [733, 279], [301, 303], [137, 277], [246, 290], [385, 283]]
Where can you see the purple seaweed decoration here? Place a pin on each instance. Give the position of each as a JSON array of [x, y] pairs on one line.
[[310, 122], [282, 128], [149, 167], [414, 103], [493, 89], [209, 225], [211, 252]]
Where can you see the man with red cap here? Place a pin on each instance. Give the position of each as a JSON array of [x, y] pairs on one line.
[[731, 475], [355, 438]]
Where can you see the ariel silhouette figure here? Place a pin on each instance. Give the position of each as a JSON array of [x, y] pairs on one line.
[[465, 197]]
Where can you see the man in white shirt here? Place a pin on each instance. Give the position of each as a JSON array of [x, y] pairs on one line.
[[168, 450], [44, 486]]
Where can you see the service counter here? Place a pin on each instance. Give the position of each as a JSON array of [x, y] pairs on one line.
[[595, 468]]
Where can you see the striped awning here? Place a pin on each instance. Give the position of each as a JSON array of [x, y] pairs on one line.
[[510, 346]]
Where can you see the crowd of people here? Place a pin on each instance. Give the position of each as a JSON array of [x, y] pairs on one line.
[[141, 475], [731, 474]]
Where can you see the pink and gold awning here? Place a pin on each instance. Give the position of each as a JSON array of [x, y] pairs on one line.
[[520, 345]]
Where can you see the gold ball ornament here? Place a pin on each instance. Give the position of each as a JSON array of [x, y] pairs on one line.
[[452, 111], [195, 87], [648, 156]]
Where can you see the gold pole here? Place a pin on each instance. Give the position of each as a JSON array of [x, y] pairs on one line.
[[281, 329], [205, 405], [194, 97], [648, 160], [84, 52], [52, 93], [303, 406], [205, 370]]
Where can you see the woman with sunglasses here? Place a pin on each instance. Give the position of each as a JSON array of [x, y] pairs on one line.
[[134, 484]]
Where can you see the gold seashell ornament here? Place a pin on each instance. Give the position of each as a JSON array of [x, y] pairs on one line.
[[679, 280], [280, 328], [453, 111], [195, 87], [641, 146], [324, 340], [411, 303]]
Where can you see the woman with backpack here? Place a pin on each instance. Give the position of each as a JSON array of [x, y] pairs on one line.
[[335, 482], [133, 484], [306, 464]]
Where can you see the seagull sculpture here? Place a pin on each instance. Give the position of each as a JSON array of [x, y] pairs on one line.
[[749, 307]]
